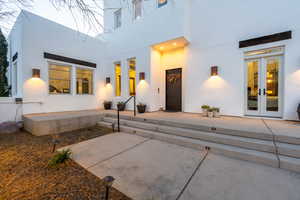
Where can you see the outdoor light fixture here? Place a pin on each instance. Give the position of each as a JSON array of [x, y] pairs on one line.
[[36, 73], [107, 80], [142, 76], [108, 181], [214, 71]]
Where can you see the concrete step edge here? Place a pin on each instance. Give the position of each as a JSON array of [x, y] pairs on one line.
[[249, 143], [220, 130], [292, 164]]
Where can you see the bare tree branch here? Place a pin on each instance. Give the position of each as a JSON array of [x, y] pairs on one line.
[[91, 11]]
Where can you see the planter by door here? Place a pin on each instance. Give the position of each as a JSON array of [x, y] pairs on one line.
[[173, 89], [121, 107], [141, 108], [107, 105]]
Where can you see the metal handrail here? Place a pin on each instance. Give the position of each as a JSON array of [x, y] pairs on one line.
[[134, 109]]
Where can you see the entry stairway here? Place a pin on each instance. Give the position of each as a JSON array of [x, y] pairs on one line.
[[267, 149]]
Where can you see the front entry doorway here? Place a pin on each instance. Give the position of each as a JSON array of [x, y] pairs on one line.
[[174, 90], [264, 86]]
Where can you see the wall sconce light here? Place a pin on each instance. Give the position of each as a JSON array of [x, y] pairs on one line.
[[142, 76], [214, 71], [36, 73], [107, 80]]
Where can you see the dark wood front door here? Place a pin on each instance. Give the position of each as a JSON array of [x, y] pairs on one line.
[[173, 89]]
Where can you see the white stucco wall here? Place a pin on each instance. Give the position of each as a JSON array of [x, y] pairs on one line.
[[213, 29], [9, 111], [40, 35]]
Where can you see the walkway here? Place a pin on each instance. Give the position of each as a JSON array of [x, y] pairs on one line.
[[149, 169]]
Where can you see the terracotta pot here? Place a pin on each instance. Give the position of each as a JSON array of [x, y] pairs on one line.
[[204, 112], [216, 114], [210, 114]]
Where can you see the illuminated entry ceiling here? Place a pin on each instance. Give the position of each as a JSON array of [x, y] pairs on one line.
[[171, 44]]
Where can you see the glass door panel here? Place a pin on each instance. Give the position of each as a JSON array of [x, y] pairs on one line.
[[272, 86], [253, 85]]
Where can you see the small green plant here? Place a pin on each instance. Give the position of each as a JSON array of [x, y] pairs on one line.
[[205, 107], [121, 103], [107, 102], [60, 157], [141, 104], [214, 109], [210, 109]]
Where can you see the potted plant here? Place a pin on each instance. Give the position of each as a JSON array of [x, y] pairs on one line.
[[216, 112], [205, 110], [298, 110], [107, 105], [210, 113], [121, 106], [141, 107]]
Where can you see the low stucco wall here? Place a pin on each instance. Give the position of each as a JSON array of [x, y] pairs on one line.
[[9, 110], [55, 123]]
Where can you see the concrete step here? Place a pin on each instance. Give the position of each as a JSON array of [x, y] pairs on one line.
[[104, 124], [288, 163], [237, 141], [234, 132]]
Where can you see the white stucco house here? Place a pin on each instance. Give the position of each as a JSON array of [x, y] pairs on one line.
[[240, 56]]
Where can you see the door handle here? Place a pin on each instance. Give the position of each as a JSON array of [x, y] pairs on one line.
[[259, 92], [264, 91]]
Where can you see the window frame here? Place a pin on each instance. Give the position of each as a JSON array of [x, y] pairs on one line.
[[117, 13], [129, 78], [71, 77], [115, 64], [93, 78], [159, 5], [135, 17]]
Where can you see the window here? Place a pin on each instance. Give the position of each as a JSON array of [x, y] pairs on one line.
[[162, 3], [137, 8], [84, 81], [131, 75], [265, 51], [59, 79], [118, 78], [118, 18]]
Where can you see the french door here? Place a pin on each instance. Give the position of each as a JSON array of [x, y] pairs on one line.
[[264, 86]]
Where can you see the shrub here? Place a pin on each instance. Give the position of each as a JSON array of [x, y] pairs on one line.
[[60, 157], [215, 109], [210, 110], [205, 107]]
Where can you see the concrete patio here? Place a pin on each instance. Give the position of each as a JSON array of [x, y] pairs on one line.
[[150, 169]]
